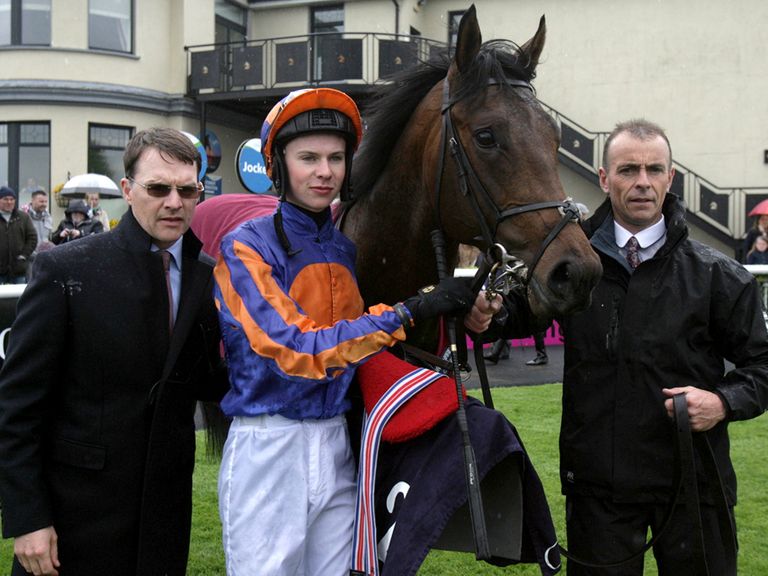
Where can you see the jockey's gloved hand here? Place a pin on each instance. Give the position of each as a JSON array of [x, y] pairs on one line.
[[451, 297]]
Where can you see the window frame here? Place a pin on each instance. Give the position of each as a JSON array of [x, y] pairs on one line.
[[131, 34], [17, 25], [131, 130], [231, 26], [13, 146], [334, 27], [454, 18]]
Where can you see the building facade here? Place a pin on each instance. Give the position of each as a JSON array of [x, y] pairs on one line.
[[81, 76]]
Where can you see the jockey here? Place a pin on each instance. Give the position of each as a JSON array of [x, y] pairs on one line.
[[294, 330]]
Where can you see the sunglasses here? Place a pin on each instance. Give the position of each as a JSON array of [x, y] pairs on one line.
[[160, 190]]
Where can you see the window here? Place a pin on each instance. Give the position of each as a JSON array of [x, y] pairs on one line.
[[110, 25], [105, 149], [325, 19], [25, 22], [230, 22], [328, 19], [453, 28], [25, 157]]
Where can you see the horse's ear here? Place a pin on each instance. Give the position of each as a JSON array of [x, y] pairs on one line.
[[468, 39], [532, 49]]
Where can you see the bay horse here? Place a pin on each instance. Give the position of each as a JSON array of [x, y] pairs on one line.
[[480, 109], [505, 190]]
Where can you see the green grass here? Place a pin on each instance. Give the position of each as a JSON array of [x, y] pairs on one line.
[[535, 411]]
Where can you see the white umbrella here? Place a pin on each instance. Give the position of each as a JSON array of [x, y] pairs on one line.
[[82, 184]]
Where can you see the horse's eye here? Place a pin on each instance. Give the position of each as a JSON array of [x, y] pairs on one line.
[[485, 138]]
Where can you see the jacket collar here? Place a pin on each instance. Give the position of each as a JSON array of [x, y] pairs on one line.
[[301, 224], [132, 237], [599, 227], [44, 215]]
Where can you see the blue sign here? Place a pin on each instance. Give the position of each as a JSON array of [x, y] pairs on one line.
[[212, 185], [212, 150], [251, 168]]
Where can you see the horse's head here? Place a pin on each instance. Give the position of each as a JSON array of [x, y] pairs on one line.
[[499, 167]]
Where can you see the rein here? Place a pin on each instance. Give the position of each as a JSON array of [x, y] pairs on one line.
[[687, 494]]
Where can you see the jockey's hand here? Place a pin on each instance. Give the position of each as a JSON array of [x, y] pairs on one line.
[[38, 552], [451, 297], [479, 318], [705, 408]]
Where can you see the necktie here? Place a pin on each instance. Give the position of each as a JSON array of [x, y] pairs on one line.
[[633, 256], [167, 267]]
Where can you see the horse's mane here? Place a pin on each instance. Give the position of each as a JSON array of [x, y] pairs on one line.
[[392, 105]]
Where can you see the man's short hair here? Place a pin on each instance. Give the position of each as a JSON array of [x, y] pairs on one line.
[[39, 191], [170, 143], [639, 128]]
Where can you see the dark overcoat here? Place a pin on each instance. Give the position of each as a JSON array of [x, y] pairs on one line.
[[94, 440], [18, 240]]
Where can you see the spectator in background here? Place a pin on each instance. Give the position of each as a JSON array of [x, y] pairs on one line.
[[498, 351], [18, 239], [541, 350], [760, 228], [468, 256], [76, 224], [97, 212], [41, 218], [37, 209], [759, 252]]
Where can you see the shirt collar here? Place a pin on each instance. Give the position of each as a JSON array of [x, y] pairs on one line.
[[645, 237], [175, 251]]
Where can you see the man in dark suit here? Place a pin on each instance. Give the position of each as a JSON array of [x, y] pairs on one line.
[[107, 356]]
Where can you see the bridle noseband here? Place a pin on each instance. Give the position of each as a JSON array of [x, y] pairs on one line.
[[469, 184]]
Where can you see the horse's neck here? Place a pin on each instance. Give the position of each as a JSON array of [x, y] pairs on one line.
[[395, 253]]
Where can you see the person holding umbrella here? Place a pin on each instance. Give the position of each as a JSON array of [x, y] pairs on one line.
[[759, 228], [97, 212]]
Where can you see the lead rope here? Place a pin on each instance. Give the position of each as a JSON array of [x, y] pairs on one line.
[[687, 484]]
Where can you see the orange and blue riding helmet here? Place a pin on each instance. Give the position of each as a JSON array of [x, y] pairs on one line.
[[305, 111]]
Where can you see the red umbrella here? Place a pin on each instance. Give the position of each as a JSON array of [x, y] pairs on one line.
[[760, 209]]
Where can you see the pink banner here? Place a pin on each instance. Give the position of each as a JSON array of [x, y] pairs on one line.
[[553, 337]]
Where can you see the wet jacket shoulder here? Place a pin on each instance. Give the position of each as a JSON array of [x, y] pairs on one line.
[[672, 323]]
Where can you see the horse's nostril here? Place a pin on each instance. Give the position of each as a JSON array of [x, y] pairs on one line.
[[562, 275]]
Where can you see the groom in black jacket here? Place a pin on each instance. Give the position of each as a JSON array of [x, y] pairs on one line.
[[107, 357]]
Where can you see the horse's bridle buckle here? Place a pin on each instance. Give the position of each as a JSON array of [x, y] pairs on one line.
[[507, 273]]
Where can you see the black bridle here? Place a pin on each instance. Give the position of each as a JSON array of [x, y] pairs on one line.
[[686, 463], [472, 187], [470, 184]]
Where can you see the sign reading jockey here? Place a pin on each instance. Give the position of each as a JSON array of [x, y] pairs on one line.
[[250, 167]]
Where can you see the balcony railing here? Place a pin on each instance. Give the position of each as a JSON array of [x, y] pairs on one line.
[[276, 65], [311, 59]]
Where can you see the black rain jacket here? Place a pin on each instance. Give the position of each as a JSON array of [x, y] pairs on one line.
[[673, 322]]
